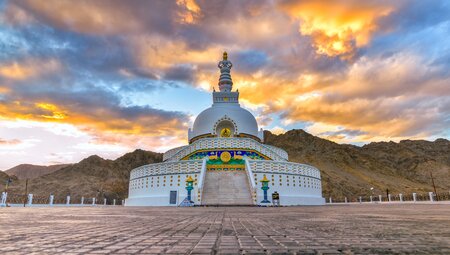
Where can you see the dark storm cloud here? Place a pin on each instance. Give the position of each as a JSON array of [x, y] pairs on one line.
[[182, 72], [89, 71], [95, 56], [89, 104], [104, 16], [251, 60], [87, 55]]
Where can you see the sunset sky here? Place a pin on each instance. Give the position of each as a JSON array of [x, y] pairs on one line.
[[106, 77]]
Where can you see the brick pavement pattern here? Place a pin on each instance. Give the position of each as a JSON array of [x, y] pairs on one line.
[[345, 229]]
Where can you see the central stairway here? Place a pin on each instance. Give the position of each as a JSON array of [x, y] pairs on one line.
[[226, 188]]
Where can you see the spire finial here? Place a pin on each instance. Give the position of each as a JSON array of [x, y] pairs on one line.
[[225, 82]]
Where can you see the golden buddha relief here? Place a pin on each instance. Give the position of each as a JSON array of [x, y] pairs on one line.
[[225, 132]]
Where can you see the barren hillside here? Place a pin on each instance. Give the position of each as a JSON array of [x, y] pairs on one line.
[[346, 170]]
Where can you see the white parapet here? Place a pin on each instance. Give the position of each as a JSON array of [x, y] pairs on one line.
[[296, 184], [170, 153], [164, 184]]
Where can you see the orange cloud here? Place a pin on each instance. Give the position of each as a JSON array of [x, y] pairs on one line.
[[55, 113], [337, 28], [15, 71], [191, 11], [99, 120], [371, 99], [4, 89], [29, 68], [159, 53]]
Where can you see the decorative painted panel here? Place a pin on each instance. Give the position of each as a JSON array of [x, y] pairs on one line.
[[229, 143]]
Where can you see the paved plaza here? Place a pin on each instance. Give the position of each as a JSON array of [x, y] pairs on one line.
[[336, 229]]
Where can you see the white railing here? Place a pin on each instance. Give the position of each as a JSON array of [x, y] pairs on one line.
[[228, 143], [277, 150], [249, 173], [168, 154], [185, 166], [253, 187], [201, 178], [274, 167]]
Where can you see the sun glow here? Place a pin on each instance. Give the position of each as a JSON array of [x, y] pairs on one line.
[[337, 28]]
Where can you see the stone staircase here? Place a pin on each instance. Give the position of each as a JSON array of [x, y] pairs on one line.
[[226, 188]]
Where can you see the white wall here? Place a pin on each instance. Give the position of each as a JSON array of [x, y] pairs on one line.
[[150, 185], [297, 184]]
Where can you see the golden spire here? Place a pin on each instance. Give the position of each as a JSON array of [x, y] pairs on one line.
[[225, 55], [264, 179], [189, 179]]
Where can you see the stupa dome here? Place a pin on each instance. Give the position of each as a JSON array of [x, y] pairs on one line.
[[212, 120], [225, 118]]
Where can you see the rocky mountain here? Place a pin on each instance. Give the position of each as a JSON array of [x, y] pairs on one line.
[[91, 177], [3, 178], [346, 170], [349, 170], [25, 171]]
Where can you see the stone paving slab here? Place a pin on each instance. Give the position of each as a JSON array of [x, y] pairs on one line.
[[356, 229]]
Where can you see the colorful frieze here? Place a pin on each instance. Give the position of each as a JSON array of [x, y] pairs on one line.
[[235, 156]]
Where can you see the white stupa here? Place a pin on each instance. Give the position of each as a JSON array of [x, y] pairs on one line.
[[225, 163]]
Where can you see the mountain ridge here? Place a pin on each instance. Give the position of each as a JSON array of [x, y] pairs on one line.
[[30, 171], [346, 170]]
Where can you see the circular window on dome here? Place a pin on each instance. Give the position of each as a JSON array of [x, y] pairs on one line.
[[225, 129]]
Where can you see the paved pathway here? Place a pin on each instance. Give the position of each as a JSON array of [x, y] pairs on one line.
[[355, 229]]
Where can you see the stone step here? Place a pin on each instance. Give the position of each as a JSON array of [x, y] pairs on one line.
[[226, 188]]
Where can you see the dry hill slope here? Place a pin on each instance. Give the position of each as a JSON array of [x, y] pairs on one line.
[[25, 171], [346, 170], [3, 178], [349, 170], [93, 176]]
